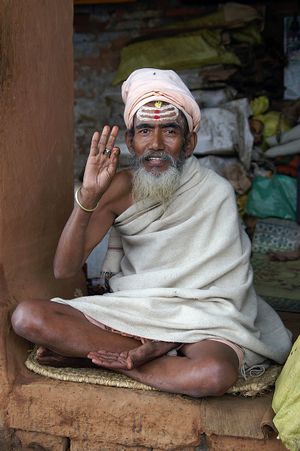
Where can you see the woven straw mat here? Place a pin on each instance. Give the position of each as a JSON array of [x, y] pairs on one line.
[[250, 387]]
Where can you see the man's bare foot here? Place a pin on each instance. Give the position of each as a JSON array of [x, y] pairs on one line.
[[134, 358], [46, 357]]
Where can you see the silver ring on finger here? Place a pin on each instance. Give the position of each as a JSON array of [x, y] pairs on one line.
[[107, 152]]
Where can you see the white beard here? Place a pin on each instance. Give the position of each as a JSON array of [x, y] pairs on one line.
[[159, 188]]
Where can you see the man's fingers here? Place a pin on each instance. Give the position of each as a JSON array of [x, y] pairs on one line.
[[108, 361], [103, 139], [106, 356], [94, 144], [110, 365], [112, 138], [107, 139], [116, 151], [104, 143], [103, 355]]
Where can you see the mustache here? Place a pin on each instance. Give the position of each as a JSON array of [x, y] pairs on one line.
[[148, 155], [157, 154]]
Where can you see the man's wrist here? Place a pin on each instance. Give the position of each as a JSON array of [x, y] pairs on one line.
[[87, 201]]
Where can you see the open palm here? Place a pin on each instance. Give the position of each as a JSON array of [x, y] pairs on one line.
[[101, 165]]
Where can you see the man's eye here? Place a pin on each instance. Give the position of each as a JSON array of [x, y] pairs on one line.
[[170, 131], [144, 131]]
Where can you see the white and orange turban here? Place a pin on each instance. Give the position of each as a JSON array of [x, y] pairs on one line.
[[148, 85]]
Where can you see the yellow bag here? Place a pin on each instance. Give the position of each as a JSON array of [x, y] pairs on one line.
[[197, 49], [286, 400], [274, 123]]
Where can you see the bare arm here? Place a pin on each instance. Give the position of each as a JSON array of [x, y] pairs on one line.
[[85, 229]]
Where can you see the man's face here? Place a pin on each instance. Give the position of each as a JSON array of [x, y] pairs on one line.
[[160, 144], [158, 141]]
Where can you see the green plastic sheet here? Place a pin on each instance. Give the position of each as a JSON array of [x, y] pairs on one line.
[[286, 400], [249, 35], [198, 49], [273, 197]]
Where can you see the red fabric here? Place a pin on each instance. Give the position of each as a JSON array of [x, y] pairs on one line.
[[289, 168]]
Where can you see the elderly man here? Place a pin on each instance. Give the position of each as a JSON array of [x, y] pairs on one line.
[[182, 314]]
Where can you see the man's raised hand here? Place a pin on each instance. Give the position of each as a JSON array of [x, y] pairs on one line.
[[101, 165]]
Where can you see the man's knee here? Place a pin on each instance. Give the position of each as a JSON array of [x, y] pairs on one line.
[[219, 377], [224, 376], [28, 319]]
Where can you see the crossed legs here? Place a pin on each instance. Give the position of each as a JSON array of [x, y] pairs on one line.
[[206, 368]]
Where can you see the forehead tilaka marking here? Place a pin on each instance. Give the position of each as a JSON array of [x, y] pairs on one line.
[[157, 112]]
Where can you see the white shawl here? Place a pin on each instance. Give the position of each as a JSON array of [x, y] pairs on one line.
[[185, 273]]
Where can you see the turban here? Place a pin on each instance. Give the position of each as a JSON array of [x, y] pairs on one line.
[[148, 85]]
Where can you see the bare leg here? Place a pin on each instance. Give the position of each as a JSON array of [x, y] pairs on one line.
[[205, 368], [66, 337], [112, 360], [64, 330]]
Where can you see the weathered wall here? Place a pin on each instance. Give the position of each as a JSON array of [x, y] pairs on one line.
[[36, 80], [100, 33]]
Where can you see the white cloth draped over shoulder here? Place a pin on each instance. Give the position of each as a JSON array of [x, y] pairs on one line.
[[185, 274]]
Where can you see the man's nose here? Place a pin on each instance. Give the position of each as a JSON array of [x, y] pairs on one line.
[[157, 140]]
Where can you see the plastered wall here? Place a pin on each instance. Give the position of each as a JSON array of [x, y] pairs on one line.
[[36, 148], [36, 141]]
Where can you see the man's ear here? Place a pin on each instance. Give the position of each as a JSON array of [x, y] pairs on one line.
[[129, 140], [190, 144]]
